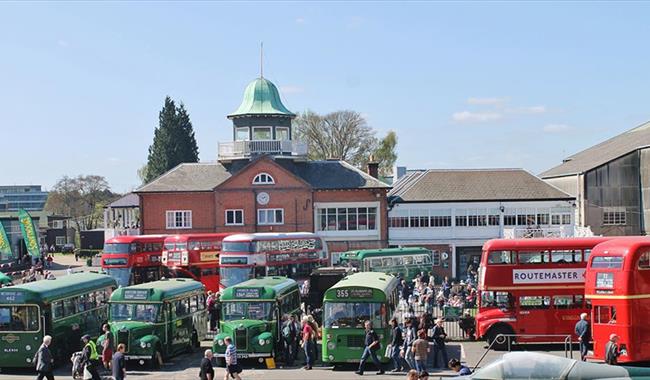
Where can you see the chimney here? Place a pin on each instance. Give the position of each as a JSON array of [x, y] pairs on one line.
[[373, 167]]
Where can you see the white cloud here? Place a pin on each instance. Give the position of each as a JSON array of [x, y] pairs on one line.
[[475, 117], [291, 89], [531, 110], [300, 20], [494, 101], [556, 128], [63, 43]]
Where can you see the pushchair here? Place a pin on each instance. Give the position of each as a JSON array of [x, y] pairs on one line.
[[77, 365]]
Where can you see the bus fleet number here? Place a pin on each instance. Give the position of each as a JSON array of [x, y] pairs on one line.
[[342, 293]]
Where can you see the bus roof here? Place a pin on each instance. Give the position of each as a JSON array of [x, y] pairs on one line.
[[45, 291], [188, 237], [543, 243], [269, 288], [156, 291], [622, 246], [271, 236], [364, 253], [136, 238], [374, 280]]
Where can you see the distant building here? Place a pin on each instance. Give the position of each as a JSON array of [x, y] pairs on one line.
[[611, 183], [122, 217], [263, 181], [28, 197], [453, 212]]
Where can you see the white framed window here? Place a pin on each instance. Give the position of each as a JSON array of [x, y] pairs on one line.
[[178, 219], [242, 134], [57, 224], [235, 217], [262, 133], [269, 216], [282, 133], [59, 240], [263, 179], [614, 216], [347, 219]]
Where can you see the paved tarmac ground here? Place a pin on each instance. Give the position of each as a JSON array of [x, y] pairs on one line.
[[185, 367]]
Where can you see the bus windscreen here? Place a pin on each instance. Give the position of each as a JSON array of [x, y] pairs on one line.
[[607, 262]]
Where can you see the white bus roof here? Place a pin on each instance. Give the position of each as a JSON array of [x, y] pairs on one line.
[[271, 236]]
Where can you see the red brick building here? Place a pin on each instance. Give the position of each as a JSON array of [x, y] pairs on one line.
[[264, 182]]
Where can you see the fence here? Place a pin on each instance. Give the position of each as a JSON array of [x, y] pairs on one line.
[[452, 317]]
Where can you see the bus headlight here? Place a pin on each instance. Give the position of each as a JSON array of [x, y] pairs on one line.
[[261, 342], [143, 344], [331, 345], [220, 342], [28, 347], [331, 358]]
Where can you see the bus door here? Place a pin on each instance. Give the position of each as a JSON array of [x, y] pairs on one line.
[[199, 316], [533, 315], [181, 325]]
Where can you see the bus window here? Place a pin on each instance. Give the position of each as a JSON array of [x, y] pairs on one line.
[[567, 302], [57, 309], [534, 302], [408, 260], [565, 256], [375, 263], [585, 254], [398, 261], [193, 245], [501, 257], [607, 262], [194, 304], [533, 257], [353, 315], [69, 307], [502, 300], [605, 314], [644, 261], [387, 262], [18, 318]]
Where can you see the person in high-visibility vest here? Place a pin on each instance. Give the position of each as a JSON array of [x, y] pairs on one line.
[[90, 357]]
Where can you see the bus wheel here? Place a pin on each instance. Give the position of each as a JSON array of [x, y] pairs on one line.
[[498, 341], [157, 359]]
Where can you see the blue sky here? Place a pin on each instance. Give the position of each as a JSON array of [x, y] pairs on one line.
[[464, 85]]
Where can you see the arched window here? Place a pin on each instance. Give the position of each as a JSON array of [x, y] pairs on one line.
[[263, 179]]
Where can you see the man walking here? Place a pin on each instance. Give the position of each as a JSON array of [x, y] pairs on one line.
[[207, 371], [583, 331], [307, 342], [232, 368], [43, 360], [421, 350], [90, 356], [439, 337], [611, 350], [410, 337], [396, 342], [118, 363], [372, 345], [290, 334]]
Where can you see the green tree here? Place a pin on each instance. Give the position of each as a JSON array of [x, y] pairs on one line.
[[173, 141], [385, 154]]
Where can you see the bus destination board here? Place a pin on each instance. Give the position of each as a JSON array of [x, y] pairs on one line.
[[233, 260], [136, 294], [115, 261], [353, 293], [12, 297], [247, 293]]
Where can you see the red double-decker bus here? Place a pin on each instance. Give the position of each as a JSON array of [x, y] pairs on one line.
[[533, 288], [133, 259], [618, 286], [294, 254], [194, 256]]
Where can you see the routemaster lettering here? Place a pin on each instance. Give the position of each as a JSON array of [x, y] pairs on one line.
[[529, 276]]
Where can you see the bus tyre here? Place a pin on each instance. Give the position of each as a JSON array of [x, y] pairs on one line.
[[157, 359], [500, 341]]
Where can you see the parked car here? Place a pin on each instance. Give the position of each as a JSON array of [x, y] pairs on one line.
[[67, 248]]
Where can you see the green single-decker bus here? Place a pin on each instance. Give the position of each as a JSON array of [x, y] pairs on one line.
[[408, 262], [359, 297]]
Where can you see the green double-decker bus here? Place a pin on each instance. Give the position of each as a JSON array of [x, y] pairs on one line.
[[408, 261], [159, 319], [360, 297], [252, 314], [66, 308]]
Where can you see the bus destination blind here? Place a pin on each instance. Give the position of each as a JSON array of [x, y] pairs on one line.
[[233, 260], [354, 293], [12, 297], [136, 294], [247, 293]]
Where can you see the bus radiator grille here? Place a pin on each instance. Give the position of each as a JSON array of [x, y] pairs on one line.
[[356, 341], [241, 339], [123, 337]]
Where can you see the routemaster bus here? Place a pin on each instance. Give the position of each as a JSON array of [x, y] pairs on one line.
[[618, 286], [66, 308], [294, 255], [133, 259], [359, 297], [194, 256], [533, 288]]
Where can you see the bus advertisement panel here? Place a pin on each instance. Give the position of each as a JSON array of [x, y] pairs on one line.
[[533, 288], [65, 308], [407, 262], [618, 286], [252, 314], [133, 259], [360, 297], [158, 319], [194, 256], [294, 255]]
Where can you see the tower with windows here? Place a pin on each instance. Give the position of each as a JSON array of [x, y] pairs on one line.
[[261, 125]]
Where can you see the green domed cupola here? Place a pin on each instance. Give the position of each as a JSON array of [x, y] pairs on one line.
[[261, 98]]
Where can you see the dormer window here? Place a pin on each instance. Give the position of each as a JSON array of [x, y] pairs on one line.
[[282, 133], [262, 133], [242, 134], [263, 179]]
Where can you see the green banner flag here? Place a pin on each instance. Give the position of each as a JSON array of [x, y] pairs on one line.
[[5, 245], [29, 233]]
